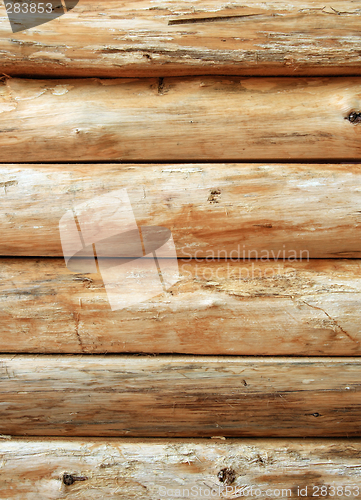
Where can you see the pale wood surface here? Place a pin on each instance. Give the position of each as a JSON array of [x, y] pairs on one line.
[[221, 210], [143, 469], [262, 308], [175, 396], [183, 119], [304, 308], [143, 38]]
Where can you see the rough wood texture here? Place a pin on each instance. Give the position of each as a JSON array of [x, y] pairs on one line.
[[160, 38], [175, 396], [152, 469], [184, 119], [262, 308], [221, 210]]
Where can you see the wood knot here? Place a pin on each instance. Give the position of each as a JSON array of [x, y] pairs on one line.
[[226, 475], [69, 479], [354, 117]]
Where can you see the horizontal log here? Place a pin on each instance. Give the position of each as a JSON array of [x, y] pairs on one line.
[[151, 469], [244, 210], [180, 119], [248, 308], [174, 396], [146, 38]]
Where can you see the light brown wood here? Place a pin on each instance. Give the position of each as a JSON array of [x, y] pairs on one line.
[[175, 396], [151, 469], [248, 308], [182, 119], [143, 38], [222, 210]]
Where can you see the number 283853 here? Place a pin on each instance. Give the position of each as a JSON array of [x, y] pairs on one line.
[[29, 8]]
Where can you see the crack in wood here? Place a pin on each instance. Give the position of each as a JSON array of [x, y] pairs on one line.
[[333, 321], [160, 86], [76, 317], [339, 12], [211, 19]]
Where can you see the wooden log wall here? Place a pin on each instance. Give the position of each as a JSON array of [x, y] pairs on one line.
[[175, 396], [213, 210], [158, 468], [180, 119], [224, 307], [172, 38], [237, 127]]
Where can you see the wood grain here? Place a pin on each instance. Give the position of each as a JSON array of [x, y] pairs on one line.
[[175, 396], [160, 38], [222, 210], [151, 469], [179, 119], [248, 308]]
